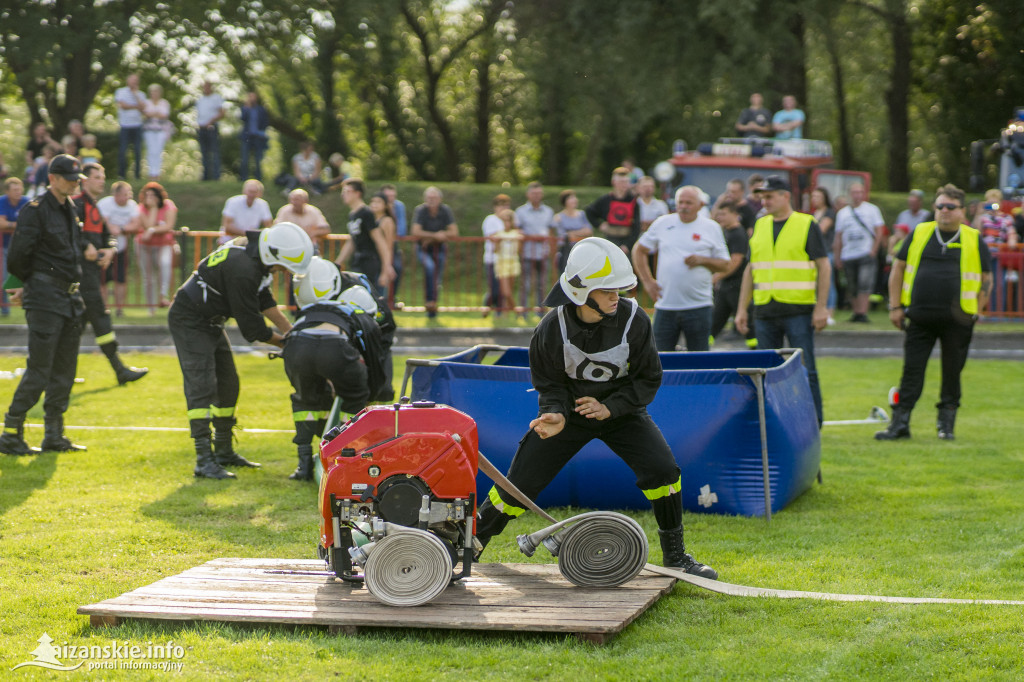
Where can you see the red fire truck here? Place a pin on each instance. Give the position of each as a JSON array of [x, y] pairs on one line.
[[806, 164]]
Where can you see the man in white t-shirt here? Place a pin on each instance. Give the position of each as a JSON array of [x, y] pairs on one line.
[[245, 211], [860, 230], [690, 248], [121, 214], [650, 207], [130, 101], [491, 226], [209, 110]]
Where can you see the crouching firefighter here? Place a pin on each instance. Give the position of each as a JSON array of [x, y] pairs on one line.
[[595, 368], [380, 310], [336, 348], [233, 281]]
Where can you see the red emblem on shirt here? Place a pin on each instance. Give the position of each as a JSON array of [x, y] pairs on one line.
[[696, 237]]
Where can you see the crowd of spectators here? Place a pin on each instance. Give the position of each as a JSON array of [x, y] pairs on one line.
[[516, 249]]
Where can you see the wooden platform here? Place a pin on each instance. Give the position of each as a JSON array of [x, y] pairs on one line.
[[511, 597]]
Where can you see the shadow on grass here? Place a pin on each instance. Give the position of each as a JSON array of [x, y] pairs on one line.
[[252, 513], [21, 476]]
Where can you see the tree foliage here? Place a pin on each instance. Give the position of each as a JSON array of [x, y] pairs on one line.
[[563, 90], [57, 51]]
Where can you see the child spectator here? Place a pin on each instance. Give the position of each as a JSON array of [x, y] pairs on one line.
[[88, 153], [70, 144], [506, 257]]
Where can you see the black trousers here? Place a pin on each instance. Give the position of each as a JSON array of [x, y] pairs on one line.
[[633, 437], [314, 364], [727, 300], [52, 360], [96, 312], [954, 339], [207, 368]]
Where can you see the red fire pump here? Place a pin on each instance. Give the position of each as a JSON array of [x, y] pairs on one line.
[[398, 499]]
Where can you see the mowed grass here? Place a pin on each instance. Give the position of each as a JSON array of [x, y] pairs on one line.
[[919, 518]]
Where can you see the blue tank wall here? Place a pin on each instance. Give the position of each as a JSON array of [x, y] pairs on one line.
[[706, 409]]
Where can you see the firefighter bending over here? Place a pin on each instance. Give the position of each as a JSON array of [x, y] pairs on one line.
[[233, 281], [337, 348]]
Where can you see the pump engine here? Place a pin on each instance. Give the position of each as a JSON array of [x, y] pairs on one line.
[[398, 500]]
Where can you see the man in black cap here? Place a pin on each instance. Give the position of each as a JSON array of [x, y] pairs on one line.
[[789, 278], [46, 254]]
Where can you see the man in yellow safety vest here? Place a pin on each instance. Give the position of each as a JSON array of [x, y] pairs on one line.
[[940, 281], [789, 278]]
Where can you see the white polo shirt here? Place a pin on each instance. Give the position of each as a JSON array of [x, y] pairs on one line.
[[247, 217], [683, 287]]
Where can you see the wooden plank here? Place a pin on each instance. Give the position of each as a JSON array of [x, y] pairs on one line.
[[108, 621], [449, 596], [493, 612], [511, 597], [389, 617]]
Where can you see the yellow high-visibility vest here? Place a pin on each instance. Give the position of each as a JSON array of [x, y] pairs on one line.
[[782, 270], [970, 264]]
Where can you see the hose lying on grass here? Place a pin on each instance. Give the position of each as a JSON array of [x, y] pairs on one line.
[[627, 559]]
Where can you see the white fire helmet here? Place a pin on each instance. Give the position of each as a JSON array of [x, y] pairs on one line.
[[286, 244], [595, 263], [358, 297], [322, 282]]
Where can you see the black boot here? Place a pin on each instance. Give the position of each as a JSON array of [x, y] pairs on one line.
[[129, 374], [124, 374], [304, 472], [12, 442], [225, 453], [206, 465], [947, 418], [899, 426], [53, 437], [674, 555]]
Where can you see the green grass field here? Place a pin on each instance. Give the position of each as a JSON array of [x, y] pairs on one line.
[[919, 518]]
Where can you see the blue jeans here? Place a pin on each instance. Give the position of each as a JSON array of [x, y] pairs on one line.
[[3, 272], [799, 331], [833, 294], [256, 148], [133, 137], [535, 275], [694, 324], [209, 149], [432, 259]]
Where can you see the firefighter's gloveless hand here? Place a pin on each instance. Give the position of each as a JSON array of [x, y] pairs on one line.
[[548, 424], [591, 409]]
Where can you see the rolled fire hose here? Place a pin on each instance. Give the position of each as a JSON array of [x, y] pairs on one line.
[[713, 585], [595, 549], [408, 567]]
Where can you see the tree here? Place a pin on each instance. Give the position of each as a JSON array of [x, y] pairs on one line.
[[440, 42], [894, 17], [59, 64], [970, 68]]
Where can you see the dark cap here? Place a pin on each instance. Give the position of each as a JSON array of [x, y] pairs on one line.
[[66, 166], [773, 183]]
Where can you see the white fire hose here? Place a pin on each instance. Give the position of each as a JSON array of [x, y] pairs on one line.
[[587, 560]]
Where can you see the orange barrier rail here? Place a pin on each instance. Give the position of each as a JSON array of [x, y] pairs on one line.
[[465, 282]]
